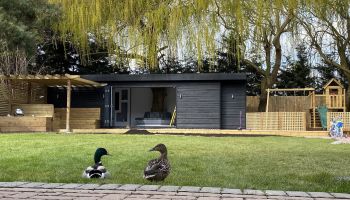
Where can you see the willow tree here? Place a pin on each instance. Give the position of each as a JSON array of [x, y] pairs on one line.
[[327, 25], [143, 30], [146, 30]]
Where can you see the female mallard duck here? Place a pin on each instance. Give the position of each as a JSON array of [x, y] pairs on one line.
[[158, 169], [97, 170]]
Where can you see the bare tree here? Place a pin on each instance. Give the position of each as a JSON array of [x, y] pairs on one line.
[[328, 31], [261, 37], [12, 62]]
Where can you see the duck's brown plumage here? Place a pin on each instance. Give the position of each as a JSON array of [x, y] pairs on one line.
[[158, 169]]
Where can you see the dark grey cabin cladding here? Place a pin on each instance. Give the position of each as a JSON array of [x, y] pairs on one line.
[[198, 105], [233, 105], [207, 100]]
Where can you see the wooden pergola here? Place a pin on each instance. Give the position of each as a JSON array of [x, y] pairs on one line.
[[66, 80]]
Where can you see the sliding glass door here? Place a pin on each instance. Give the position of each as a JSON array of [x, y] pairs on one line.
[[120, 109]]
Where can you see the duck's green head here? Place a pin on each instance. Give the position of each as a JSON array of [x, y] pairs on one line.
[[99, 153], [159, 147]]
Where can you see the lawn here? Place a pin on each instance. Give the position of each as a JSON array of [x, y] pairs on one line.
[[285, 163]]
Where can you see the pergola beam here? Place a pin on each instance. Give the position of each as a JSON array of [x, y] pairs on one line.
[[57, 80]]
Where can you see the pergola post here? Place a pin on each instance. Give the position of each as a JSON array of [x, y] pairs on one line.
[[69, 93]]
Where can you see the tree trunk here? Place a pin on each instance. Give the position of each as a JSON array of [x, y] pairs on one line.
[[159, 95], [263, 96]]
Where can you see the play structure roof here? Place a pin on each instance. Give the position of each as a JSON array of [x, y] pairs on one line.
[[331, 81]]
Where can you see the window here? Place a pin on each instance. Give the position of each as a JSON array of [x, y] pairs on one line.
[[117, 102]]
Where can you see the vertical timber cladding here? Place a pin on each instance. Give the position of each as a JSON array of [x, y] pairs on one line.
[[198, 105], [233, 105]]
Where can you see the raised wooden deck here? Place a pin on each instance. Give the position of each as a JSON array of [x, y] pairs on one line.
[[202, 132]]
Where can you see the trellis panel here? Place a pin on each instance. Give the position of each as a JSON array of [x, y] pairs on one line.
[[276, 121], [345, 117]]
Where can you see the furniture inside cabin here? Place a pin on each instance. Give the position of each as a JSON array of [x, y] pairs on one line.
[[154, 119]]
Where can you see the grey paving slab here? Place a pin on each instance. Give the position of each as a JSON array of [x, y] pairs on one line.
[[320, 195], [189, 189], [108, 186], [24, 195], [275, 193], [297, 194], [31, 185], [88, 186], [210, 189], [253, 192], [231, 191], [50, 185], [149, 187], [208, 198], [114, 197], [12, 184], [69, 186], [341, 195], [131, 187], [169, 188]]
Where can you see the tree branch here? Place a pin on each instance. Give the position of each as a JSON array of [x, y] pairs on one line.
[[282, 28], [319, 48], [218, 12], [254, 66]]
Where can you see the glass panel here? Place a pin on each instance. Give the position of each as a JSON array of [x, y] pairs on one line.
[[123, 115], [124, 94], [116, 101]]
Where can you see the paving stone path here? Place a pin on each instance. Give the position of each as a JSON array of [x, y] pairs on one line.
[[60, 191]]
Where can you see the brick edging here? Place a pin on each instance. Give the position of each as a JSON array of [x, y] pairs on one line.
[[179, 190]]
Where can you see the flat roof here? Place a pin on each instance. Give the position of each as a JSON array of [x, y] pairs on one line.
[[166, 77]]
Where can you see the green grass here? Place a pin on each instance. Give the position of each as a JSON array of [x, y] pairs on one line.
[[284, 163]]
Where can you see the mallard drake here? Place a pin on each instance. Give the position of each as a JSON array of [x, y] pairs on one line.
[[97, 170], [158, 169]]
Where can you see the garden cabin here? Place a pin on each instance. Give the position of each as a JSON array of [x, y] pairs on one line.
[[201, 100], [66, 102]]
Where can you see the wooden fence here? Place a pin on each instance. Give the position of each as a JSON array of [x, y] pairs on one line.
[[281, 103], [20, 92], [80, 118], [4, 102], [276, 121], [25, 124]]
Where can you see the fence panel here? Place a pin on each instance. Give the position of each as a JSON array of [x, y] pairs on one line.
[[276, 121], [281, 103]]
